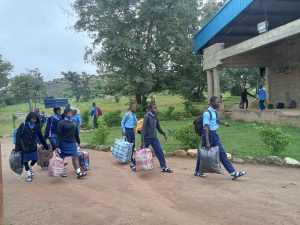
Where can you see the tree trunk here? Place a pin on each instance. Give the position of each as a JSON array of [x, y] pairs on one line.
[[141, 99]]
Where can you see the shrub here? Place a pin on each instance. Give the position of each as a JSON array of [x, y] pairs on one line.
[[190, 109], [112, 119], [187, 136], [101, 134], [273, 138], [85, 119], [168, 114]]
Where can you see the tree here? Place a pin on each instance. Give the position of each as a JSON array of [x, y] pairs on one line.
[[28, 87], [79, 84], [5, 69], [135, 40]]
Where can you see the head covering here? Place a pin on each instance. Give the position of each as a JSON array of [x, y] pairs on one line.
[[32, 115], [67, 110]]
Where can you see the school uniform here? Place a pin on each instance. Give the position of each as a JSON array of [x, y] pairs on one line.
[[51, 129], [261, 98], [94, 114], [214, 140], [128, 124], [149, 136], [67, 137], [78, 120]]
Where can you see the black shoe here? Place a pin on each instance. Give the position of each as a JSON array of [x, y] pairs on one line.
[[29, 178], [133, 167], [167, 170]]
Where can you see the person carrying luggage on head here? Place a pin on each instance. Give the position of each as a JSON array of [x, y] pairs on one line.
[[149, 136], [128, 124], [67, 140], [210, 138], [51, 127], [26, 141]]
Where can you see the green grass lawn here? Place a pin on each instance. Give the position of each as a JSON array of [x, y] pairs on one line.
[[240, 139]]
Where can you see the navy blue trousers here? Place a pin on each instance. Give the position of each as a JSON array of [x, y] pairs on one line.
[[154, 142], [130, 136], [262, 104], [214, 140]]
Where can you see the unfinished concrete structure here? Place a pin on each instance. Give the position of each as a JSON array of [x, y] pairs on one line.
[[231, 39]]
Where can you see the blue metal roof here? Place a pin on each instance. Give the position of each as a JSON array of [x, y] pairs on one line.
[[223, 17]]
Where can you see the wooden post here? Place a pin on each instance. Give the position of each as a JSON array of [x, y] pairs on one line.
[[1, 192]]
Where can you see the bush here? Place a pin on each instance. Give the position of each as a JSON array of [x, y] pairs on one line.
[[168, 114], [85, 119], [187, 136], [190, 109], [112, 119], [273, 138], [100, 136]]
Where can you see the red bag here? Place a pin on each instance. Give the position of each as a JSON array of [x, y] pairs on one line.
[[99, 111]]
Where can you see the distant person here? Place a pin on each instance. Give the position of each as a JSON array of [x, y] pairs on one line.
[[149, 136], [67, 141], [210, 138], [94, 114], [44, 118], [26, 142], [128, 124], [244, 98], [77, 119], [51, 127], [261, 95]]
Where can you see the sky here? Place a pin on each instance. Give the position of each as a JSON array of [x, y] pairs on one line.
[[37, 34]]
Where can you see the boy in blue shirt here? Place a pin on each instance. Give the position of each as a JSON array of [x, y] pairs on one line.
[[94, 114], [261, 95], [128, 124], [210, 138]]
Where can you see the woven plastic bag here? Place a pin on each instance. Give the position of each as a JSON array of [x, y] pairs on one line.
[[56, 166], [15, 161], [210, 160], [144, 160], [122, 150]]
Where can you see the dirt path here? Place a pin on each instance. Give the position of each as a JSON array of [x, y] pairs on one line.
[[112, 194]]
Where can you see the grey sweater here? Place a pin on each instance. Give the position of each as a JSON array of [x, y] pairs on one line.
[[150, 127]]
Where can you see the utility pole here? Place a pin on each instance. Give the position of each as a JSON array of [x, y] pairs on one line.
[[1, 192]]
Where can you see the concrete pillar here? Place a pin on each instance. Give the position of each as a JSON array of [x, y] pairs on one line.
[[216, 81], [268, 90], [210, 85]]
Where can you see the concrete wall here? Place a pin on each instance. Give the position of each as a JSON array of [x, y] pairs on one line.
[[284, 72]]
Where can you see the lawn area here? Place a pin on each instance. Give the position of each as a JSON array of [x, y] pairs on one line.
[[240, 139]]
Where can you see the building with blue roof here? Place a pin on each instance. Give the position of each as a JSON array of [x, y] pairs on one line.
[[255, 33]]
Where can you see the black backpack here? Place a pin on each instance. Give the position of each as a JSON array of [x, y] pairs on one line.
[[198, 123]]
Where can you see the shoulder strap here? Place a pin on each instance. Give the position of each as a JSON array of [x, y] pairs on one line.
[[24, 124], [210, 114]]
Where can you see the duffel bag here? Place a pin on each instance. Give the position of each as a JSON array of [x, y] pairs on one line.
[[122, 150]]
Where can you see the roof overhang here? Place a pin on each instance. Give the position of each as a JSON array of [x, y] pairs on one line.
[[237, 21]]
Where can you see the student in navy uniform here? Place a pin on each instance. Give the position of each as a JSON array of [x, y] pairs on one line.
[[210, 138], [128, 124], [26, 142], [51, 127], [149, 136], [67, 140], [94, 114]]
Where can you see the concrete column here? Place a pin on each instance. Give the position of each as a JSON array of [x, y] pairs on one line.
[[268, 90], [216, 81], [210, 85]]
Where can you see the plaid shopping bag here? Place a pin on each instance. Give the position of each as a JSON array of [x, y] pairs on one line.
[[143, 160], [122, 150]]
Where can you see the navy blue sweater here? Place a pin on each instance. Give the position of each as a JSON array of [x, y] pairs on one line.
[[51, 128]]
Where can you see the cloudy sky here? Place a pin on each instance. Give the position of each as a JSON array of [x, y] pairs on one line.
[[35, 34]]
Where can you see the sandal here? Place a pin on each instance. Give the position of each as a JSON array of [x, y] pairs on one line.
[[198, 174], [81, 175], [167, 170], [237, 175]]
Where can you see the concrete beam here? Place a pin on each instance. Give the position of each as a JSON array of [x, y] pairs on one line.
[[277, 34], [209, 58]]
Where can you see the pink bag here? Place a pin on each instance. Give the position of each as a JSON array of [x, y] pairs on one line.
[[143, 160], [56, 166]]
